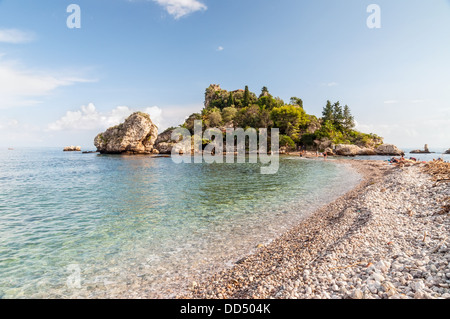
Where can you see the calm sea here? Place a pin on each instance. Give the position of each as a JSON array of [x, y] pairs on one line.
[[88, 225]]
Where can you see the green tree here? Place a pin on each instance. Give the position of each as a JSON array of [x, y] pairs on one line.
[[214, 118], [279, 102], [189, 123], [246, 96], [349, 121], [286, 141], [296, 101], [251, 116], [288, 119], [230, 100], [328, 112], [228, 114], [264, 120], [338, 116], [264, 91]]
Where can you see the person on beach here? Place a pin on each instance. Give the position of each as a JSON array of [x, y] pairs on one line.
[[325, 155]]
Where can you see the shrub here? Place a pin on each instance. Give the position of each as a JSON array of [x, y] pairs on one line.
[[286, 141]]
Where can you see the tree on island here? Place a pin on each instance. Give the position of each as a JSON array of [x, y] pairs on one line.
[[349, 120], [296, 101], [327, 113], [230, 100], [264, 91], [243, 109], [246, 96]]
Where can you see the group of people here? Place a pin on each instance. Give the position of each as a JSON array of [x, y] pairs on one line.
[[303, 153], [402, 160]]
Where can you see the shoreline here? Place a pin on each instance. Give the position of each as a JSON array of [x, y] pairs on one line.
[[370, 243]]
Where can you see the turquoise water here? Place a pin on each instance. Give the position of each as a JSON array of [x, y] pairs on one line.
[[140, 226]]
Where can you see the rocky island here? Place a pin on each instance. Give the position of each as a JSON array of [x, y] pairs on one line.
[[333, 133], [424, 151], [137, 135], [72, 148]]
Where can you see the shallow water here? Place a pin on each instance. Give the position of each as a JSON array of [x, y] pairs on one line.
[[87, 225]]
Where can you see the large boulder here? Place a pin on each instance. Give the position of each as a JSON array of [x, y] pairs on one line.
[[137, 135], [389, 149], [346, 150], [323, 143], [352, 150], [164, 142], [447, 151]]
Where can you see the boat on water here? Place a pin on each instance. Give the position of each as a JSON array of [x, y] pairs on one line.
[[10, 149]]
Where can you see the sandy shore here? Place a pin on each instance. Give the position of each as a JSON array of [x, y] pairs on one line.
[[387, 238]]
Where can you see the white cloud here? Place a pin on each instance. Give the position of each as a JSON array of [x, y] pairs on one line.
[[390, 102], [88, 118], [180, 8], [15, 36], [20, 86], [329, 84], [220, 48]]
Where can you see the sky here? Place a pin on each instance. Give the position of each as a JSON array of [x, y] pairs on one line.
[[61, 86]]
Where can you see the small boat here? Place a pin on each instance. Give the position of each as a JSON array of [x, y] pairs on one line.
[[10, 149]]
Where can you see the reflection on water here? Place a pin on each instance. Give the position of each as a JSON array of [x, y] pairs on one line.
[[138, 226]]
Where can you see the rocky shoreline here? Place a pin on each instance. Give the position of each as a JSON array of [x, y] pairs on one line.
[[386, 239]]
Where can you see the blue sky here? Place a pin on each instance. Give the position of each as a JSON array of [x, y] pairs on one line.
[[61, 86]]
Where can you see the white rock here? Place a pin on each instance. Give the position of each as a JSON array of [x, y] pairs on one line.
[[377, 277], [420, 294], [382, 266], [358, 294], [418, 285]]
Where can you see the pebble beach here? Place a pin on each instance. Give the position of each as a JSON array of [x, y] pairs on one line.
[[386, 239]]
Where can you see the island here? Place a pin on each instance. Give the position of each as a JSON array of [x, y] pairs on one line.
[[72, 149], [424, 151], [332, 133]]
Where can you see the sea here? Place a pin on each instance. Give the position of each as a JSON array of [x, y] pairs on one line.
[[76, 225]]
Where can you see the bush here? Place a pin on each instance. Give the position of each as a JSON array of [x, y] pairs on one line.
[[228, 114], [286, 141], [214, 119]]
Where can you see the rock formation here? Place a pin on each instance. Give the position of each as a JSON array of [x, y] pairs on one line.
[[447, 151], [164, 142], [354, 150], [389, 149], [137, 135], [72, 148], [424, 151]]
